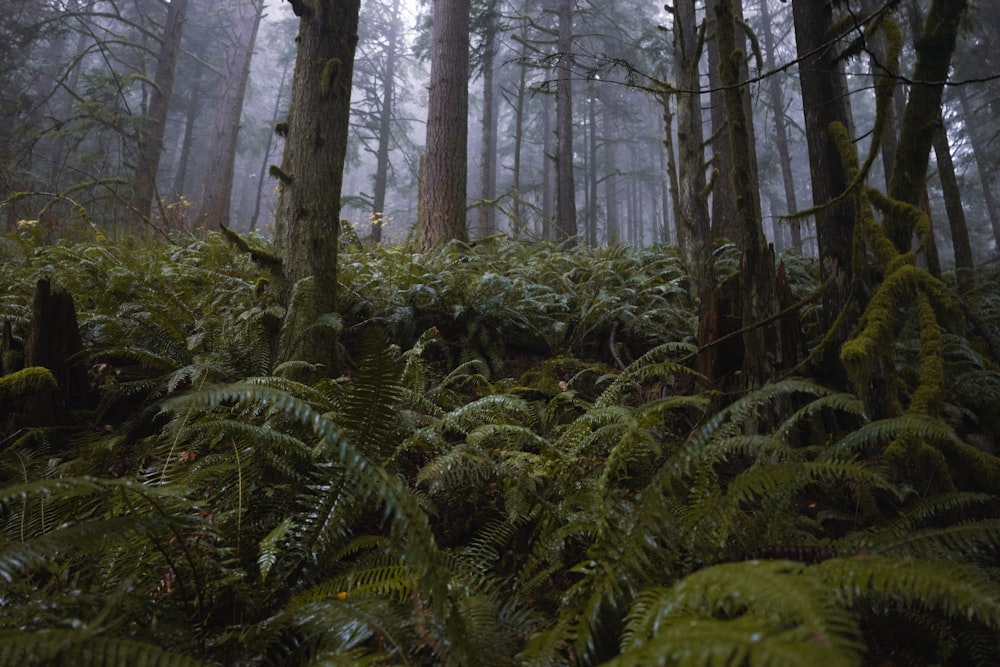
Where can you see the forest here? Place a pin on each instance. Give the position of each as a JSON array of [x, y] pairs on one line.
[[500, 333]]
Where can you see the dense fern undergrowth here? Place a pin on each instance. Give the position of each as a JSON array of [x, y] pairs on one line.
[[516, 467]]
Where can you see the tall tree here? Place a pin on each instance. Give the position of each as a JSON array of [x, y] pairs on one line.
[[241, 30], [565, 226], [311, 173], [757, 281], [934, 49], [155, 121], [488, 152], [692, 208], [386, 112], [445, 164], [777, 99], [824, 102]]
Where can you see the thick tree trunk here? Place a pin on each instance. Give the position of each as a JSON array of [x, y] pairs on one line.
[[311, 174], [757, 278], [446, 164], [218, 186], [154, 124], [693, 227], [385, 126], [565, 227], [825, 102]]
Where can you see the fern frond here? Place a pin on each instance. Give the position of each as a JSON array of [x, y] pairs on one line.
[[955, 589], [86, 649]]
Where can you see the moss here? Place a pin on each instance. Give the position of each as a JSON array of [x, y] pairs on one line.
[[331, 70], [25, 383], [930, 387], [276, 172]]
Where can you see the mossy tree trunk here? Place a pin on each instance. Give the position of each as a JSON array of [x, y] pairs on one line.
[[757, 277], [311, 174], [824, 101], [922, 115], [445, 165]]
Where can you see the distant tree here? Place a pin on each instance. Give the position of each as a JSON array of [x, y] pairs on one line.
[[565, 227], [239, 33], [154, 123], [445, 163], [490, 30]]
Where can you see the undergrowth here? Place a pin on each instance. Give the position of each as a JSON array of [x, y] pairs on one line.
[[517, 467]]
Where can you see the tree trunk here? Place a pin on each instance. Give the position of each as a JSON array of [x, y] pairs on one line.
[[693, 227], [780, 127], [611, 178], [592, 162], [980, 154], [446, 164], [757, 278], [488, 154], [311, 174], [825, 102], [547, 160], [218, 185], [953, 207], [154, 124], [190, 118], [565, 183], [923, 112], [385, 126], [262, 175]]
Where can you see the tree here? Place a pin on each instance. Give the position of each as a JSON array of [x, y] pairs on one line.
[[757, 281], [154, 124], [488, 153], [824, 101], [445, 163], [241, 35], [565, 226], [777, 100], [923, 112], [310, 176]]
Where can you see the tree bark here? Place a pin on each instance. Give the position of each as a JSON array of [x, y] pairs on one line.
[[218, 186], [446, 164], [777, 96], [310, 177], [825, 102], [154, 124], [385, 126], [565, 227], [488, 153], [923, 113], [980, 154], [693, 226], [757, 278], [953, 207]]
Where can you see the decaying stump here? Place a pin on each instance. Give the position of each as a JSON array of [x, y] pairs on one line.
[[54, 344]]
